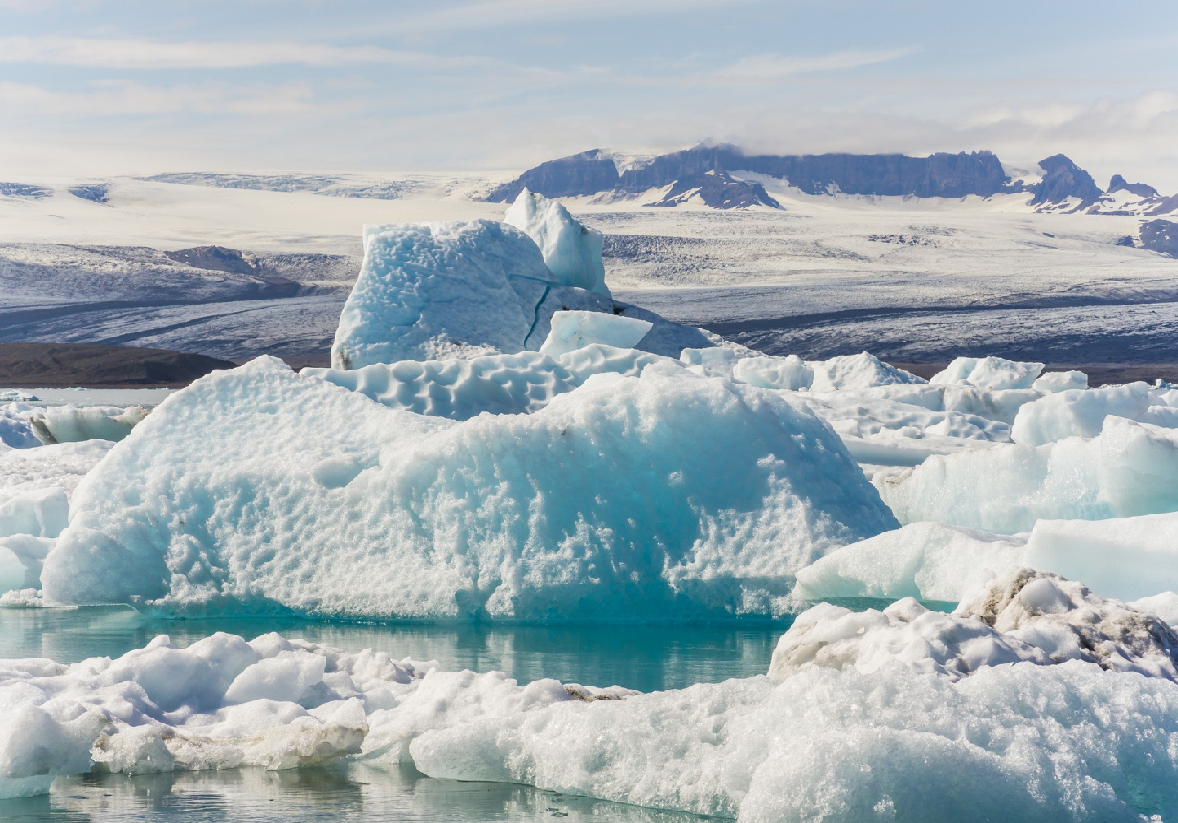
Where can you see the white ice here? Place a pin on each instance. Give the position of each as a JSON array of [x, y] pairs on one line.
[[572, 330], [571, 251], [1027, 704], [1129, 469], [666, 494], [988, 373]]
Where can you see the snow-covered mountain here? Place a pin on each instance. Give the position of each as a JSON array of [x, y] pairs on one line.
[[725, 177], [236, 265]]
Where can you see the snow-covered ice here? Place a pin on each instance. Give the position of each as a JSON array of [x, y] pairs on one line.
[[662, 495]]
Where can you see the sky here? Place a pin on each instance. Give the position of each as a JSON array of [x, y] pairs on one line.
[[99, 87]]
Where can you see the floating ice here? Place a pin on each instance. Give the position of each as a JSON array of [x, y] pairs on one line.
[[929, 561], [16, 432], [990, 373], [429, 285], [664, 495], [571, 250], [857, 371], [1057, 381], [572, 330], [907, 714], [1023, 615], [1129, 469], [1081, 413], [74, 424], [785, 373], [1126, 558], [36, 484]]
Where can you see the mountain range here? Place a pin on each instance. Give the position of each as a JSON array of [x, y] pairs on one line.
[[725, 177]]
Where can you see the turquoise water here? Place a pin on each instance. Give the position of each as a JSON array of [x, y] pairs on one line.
[[647, 658]]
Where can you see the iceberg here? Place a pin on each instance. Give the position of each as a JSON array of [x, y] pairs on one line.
[[74, 424], [433, 288], [665, 495], [1127, 558], [784, 373], [1022, 615], [1130, 469], [1002, 709], [1081, 413], [572, 330], [857, 371], [571, 251], [993, 373]]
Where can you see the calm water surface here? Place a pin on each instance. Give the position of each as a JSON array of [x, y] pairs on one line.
[[647, 658]]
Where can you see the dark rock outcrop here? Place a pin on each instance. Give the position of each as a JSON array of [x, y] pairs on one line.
[[50, 365], [593, 172], [719, 190], [589, 172], [1140, 189], [1160, 236], [94, 192], [1064, 179]]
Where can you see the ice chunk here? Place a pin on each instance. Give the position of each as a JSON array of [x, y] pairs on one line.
[[460, 389], [1129, 469], [16, 432], [665, 495], [36, 484], [1164, 605], [74, 424], [990, 373], [716, 361], [857, 371], [1015, 742], [1081, 413], [1057, 381], [787, 373], [929, 561], [572, 330], [425, 287], [1022, 615], [571, 251], [1125, 558]]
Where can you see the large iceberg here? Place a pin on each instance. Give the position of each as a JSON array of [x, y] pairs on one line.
[[571, 251], [431, 288], [665, 495]]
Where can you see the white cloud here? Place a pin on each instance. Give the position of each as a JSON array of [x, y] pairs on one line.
[[150, 54], [106, 99], [777, 66], [489, 13]]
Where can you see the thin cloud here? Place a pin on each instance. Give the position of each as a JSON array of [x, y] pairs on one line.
[[106, 99], [150, 54], [763, 67], [490, 13]]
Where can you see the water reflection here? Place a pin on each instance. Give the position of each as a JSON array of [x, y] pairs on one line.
[[343, 794], [640, 657]]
